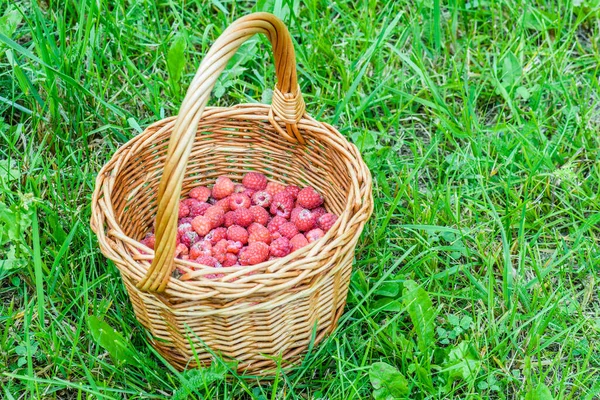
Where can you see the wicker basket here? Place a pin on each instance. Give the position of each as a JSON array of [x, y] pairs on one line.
[[254, 314]]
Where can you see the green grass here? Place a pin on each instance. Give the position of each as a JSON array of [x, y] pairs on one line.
[[479, 120]]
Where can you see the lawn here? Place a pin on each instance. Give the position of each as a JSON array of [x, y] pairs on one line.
[[476, 277]]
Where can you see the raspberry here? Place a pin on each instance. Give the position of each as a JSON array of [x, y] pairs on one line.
[[275, 236], [238, 200], [280, 247], [198, 208], [229, 219], [273, 188], [189, 238], [181, 250], [184, 210], [202, 225], [326, 221], [255, 253], [149, 241], [292, 190], [216, 235], [215, 215], [254, 181], [260, 234], [282, 204], [318, 212], [260, 215], [253, 227], [224, 204], [243, 217], [309, 198], [186, 220], [208, 261], [237, 234], [234, 247], [262, 199], [276, 223], [230, 260], [238, 188], [200, 193], [288, 230], [295, 212], [298, 242], [184, 228], [223, 187], [304, 221], [201, 248], [249, 192], [314, 234]]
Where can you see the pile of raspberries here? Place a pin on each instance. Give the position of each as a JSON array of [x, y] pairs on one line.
[[246, 224]]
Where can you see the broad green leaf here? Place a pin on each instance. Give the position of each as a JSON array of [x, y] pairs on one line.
[[176, 59], [9, 21], [421, 313], [389, 289], [388, 382], [462, 363], [111, 340], [386, 304], [540, 392], [511, 69]]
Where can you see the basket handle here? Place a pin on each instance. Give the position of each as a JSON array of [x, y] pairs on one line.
[[287, 105]]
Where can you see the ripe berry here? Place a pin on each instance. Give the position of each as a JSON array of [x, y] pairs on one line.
[[234, 247], [276, 223], [197, 207], [273, 188], [224, 203], [292, 190], [282, 204], [314, 234], [208, 261], [186, 220], [223, 187], [219, 250], [255, 253], [280, 247], [184, 228], [262, 199], [238, 188], [253, 226], [238, 200], [309, 198], [249, 192], [215, 215], [275, 236], [216, 235], [260, 215], [149, 241], [288, 230], [181, 250], [243, 217], [189, 238], [202, 225], [298, 242], [230, 260], [201, 248], [326, 221], [304, 221], [200, 193], [260, 234], [318, 212], [229, 219], [184, 210], [255, 181], [237, 234]]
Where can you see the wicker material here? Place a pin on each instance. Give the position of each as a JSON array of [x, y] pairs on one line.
[[253, 314]]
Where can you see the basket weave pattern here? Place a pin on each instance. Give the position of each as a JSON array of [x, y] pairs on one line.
[[253, 314]]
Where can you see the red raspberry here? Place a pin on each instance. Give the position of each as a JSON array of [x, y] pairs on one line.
[[186, 220], [234, 247], [260, 234], [254, 181], [275, 236], [315, 234], [229, 219], [149, 241], [184, 210], [215, 215], [276, 223], [262, 199], [253, 226], [273, 188], [255, 253], [238, 200], [223, 187], [201, 248], [189, 238], [326, 221], [249, 192], [318, 212], [237, 234], [238, 188], [304, 221], [200, 193], [280, 247], [243, 217], [295, 212], [260, 215], [282, 204], [198, 208], [292, 190], [181, 250], [216, 235], [309, 198], [184, 228], [224, 204], [219, 250], [230, 260], [202, 225], [298, 242], [208, 261], [288, 230]]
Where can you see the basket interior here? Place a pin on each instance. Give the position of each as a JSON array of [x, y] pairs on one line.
[[228, 146]]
